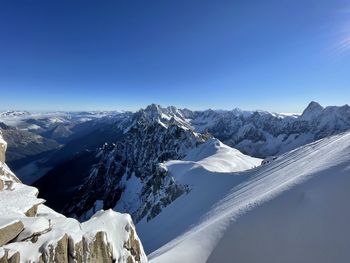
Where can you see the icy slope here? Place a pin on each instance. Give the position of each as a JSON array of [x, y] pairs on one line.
[[294, 209]]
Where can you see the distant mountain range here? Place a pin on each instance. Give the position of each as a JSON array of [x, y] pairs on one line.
[[144, 162], [95, 156]]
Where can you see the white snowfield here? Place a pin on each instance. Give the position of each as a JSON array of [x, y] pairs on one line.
[[209, 170], [294, 209]]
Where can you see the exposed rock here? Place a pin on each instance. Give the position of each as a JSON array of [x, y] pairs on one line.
[[15, 258], [76, 251], [32, 211], [33, 228], [154, 135], [32, 232], [98, 250], [133, 245], [3, 146], [57, 253], [10, 232]]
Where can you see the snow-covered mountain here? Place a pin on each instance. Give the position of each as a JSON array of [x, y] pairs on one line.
[[37, 142], [32, 232], [187, 178], [154, 135], [13, 113], [294, 209], [262, 134], [58, 124], [23, 144], [129, 176]]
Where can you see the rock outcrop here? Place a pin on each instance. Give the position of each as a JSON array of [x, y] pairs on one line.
[[3, 146], [10, 231], [32, 232]]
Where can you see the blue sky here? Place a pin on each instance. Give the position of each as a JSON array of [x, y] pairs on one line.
[[275, 55]]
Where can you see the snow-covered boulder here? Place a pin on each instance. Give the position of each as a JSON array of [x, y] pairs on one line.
[[32, 232]]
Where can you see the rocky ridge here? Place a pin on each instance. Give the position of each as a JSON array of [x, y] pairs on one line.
[[129, 174], [262, 134], [154, 135], [32, 232]]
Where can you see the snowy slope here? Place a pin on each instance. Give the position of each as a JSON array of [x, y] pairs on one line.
[[291, 210], [209, 171]]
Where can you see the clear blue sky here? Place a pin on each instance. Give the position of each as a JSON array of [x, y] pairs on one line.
[[274, 55]]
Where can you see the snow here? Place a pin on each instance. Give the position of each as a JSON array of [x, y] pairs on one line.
[[6, 221], [295, 206], [43, 231], [33, 127], [98, 205], [210, 164], [117, 227], [32, 251], [16, 118], [18, 199], [311, 225], [312, 111], [215, 156], [33, 226], [3, 143], [54, 226], [3, 146], [130, 198]]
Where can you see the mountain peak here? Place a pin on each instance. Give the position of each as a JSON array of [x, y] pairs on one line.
[[153, 107], [151, 112], [314, 105], [164, 116], [313, 109]]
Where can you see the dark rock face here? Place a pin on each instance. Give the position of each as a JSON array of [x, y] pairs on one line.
[[148, 142], [62, 181]]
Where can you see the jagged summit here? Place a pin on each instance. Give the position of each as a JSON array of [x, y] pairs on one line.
[[314, 104], [164, 116], [312, 110], [156, 135]]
